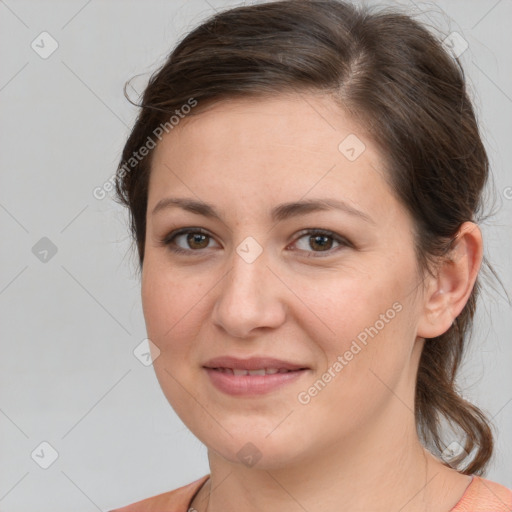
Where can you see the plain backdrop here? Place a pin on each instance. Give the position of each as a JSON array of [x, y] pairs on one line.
[[71, 316]]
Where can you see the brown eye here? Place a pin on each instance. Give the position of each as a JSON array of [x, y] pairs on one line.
[[197, 240], [187, 240], [315, 241], [321, 242]]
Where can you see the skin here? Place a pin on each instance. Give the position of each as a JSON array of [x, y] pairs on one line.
[[246, 156]]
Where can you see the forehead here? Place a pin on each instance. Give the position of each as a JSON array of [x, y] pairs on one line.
[[273, 149], [311, 118]]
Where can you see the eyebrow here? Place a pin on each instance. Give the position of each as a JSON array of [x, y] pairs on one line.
[[279, 213]]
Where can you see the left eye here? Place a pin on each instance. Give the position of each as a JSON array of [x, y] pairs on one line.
[[320, 241], [313, 241]]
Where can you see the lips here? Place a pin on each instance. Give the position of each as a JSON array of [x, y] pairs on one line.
[[260, 371], [252, 377], [268, 365]]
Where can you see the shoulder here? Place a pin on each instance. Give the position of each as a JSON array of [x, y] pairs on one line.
[[179, 499], [484, 495]]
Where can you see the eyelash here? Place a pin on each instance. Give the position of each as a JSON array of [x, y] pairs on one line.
[[168, 241]]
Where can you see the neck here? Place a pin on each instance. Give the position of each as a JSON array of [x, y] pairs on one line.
[[363, 473]]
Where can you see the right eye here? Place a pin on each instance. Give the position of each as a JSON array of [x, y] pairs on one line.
[[187, 240]]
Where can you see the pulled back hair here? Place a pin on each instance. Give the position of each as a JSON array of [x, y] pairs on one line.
[[392, 74]]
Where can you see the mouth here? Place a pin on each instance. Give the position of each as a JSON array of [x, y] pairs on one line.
[[260, 371], [267, 364], [252, 377]]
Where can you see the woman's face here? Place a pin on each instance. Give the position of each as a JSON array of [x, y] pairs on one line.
[[247, 277]]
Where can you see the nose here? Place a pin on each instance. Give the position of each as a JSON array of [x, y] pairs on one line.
[[250, 298]]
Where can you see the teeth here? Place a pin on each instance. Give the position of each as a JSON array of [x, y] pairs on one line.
[[257, 372], [261, 371]]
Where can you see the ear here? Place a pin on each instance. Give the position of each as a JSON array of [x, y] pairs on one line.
[[448, 292]]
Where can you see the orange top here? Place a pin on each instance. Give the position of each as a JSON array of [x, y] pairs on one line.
[[481, 495]]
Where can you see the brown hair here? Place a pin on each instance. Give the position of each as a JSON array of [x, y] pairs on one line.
[[396, 78]]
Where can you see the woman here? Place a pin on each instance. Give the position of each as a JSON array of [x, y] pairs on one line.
[[304, 180]]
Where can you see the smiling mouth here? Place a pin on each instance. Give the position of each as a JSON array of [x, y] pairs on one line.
[[261, 371], [240, 382]]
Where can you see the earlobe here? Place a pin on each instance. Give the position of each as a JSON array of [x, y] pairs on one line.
[[449, 291]]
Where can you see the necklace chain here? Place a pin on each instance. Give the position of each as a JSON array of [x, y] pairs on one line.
[[196, 500]]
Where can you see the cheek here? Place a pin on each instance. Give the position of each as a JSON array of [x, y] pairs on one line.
[[171, 306], [355, 306], [368, 326], [172, 310]]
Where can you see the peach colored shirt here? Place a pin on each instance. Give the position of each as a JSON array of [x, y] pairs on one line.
[[481, 495]]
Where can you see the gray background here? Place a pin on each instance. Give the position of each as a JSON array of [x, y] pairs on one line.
[[70, 323]]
